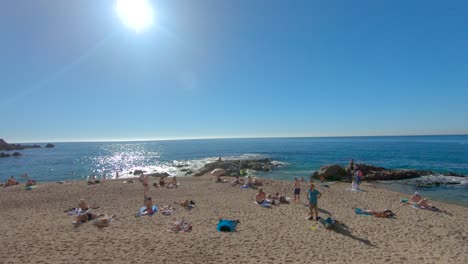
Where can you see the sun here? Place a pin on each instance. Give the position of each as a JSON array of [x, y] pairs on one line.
[[135, 14]]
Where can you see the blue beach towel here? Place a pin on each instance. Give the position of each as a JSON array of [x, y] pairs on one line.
[[361, 212], [142, 210], [225, 225]]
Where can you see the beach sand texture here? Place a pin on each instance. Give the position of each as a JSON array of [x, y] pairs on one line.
[[34, 228]]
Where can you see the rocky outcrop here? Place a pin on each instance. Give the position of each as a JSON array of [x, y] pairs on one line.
[[4, 155], [233, 167], [158, 174], [8, 147], [49, 145], [370, 173], [16, 154]]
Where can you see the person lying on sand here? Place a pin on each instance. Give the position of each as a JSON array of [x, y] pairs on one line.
[[187, 204], [83, 218], [181, 226], [104, 221], [381, 214], [10, 182], [82, 207], [418, 200]]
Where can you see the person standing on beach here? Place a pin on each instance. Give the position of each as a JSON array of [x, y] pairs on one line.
[[313, 195], [297, 190]]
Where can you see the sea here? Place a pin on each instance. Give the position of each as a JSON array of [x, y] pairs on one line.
[[298, 157]]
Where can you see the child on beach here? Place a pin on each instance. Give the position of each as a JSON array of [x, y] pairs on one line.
[[297, 190], [313, 195]]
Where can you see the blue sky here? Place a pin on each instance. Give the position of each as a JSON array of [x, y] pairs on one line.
[[70, 70]]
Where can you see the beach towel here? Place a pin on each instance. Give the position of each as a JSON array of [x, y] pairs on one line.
[[349, 189], [264, 204], [143, 211], [28, 188], [361, 212], [225, 225]]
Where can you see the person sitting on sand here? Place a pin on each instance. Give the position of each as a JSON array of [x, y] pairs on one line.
[[249, 182], [257, 182], [31, 183], [418, 200], [162, 183], [218, 178], [10, 182], [173, 183], [237, 181], [82, 207], [260, 196]]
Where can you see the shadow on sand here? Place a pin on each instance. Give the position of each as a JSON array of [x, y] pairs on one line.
[[343, 229]]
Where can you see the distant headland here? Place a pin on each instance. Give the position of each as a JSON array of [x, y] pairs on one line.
[[9, 147]]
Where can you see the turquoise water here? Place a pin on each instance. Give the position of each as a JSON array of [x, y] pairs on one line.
[[300, 155]]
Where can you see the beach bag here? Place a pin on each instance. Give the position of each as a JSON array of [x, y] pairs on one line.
[[283, 200], [225, 225]]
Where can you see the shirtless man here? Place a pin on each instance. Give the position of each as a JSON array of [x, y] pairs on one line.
[[417, 199], [297, 190], [260, 197]]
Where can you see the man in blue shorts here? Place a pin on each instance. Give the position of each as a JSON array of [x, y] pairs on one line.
[[313, 196]]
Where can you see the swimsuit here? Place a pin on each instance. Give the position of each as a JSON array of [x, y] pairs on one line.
[[297, 190]]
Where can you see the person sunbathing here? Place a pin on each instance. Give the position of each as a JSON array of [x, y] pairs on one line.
[[162, 183], [173, 183], [381, 214], [31, 183], [83, 218], [260, 196], [237, 181], [82, 207], [104, 221], [10, 182], [257, 182], [218, 178], [149, 206], [187, 204], [417, 199], [249, 182]]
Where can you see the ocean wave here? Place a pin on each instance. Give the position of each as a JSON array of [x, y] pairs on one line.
[[442, 179]]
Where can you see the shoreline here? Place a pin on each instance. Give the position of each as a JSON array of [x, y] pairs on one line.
[[34, 226]]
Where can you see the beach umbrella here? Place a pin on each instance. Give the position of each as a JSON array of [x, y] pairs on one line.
[[218, 172]]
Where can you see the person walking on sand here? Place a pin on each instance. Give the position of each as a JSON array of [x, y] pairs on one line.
[[313, 195], [297, 190]]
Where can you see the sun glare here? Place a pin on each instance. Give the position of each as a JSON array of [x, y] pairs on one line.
[[135, 14]]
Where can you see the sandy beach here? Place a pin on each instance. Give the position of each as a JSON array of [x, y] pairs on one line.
[[35, 229]]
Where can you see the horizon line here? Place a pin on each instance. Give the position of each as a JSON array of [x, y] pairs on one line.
[[229, 137]]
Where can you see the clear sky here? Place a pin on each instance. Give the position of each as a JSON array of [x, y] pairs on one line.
[[71, 70]]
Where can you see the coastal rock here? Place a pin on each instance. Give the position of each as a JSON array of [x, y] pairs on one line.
[[370, 173], [158, 174], [232, 167], [4, 155], [16, 154], [5, 146], [218, 172], [138, 172], [331, 172], [49, 145]]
